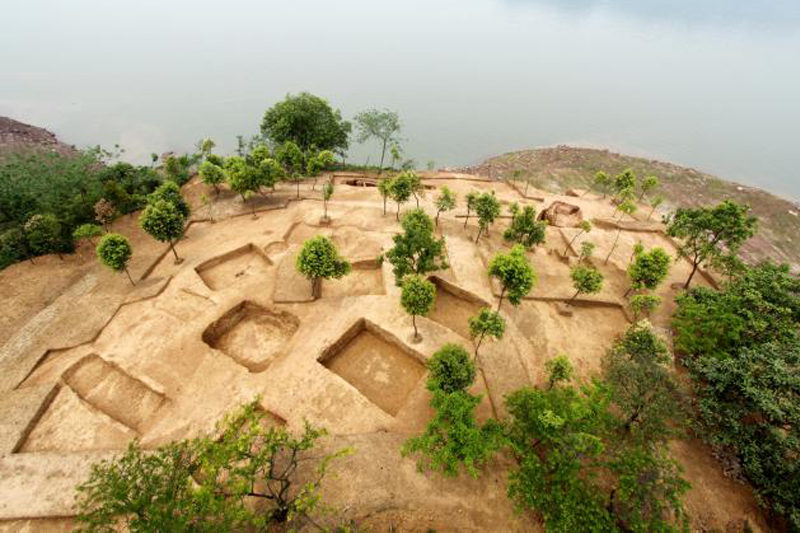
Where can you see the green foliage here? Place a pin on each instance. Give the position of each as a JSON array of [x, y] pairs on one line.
[[648, 185], [417, 297], [307, 121], [515, 274], [641, 384], [178, 169], [587, 249], [450, 369], [644, 304], [486, 323], [710, 232], [453, 438], [382, 125], [170, 192], [400, 188], [43, 234], [241, 177], [603, 182], [446, 201], [487, 207], [208, 484], [623, 182], [319, 258], [162, 221], [649, 269], [13, 246], [586, 280], [763, 305], [585, 227], [416, 250], [525, 229], [127, 186], [327, 193], [212, 174], [559, 370], [114, 251]]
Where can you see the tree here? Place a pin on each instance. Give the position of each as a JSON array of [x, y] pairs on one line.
[[624, 182], [525, 229], [114, 251], [417, 297], [654, 203], [626, 207], [648, 270], [209, 484], [486, 323], [164, 222], [327, 193], [383, 125], [385, 188], [559, 370], [603, 182], [306, 121], [170, 192], [585, 227], [641, 384], [587, 249], [472, 198], [268, 173], [707, 233], [43, 234], [515, 274], [400, 189], [647, 186], [416, 250], [585, 280], [446, 201], [487, 207], [104, 212], [643, 305], [13, 247], [450, 369], [396, 153], [212, 175], [291, 157], [319, 259]]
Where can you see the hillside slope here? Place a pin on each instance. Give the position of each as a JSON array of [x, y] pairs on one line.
[[17, 136], [561, 168]]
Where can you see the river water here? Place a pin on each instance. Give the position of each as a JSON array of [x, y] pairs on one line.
[[713, 84]]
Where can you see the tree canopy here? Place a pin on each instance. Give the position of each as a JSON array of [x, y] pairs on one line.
[[416, 250], [380, 124], [114, 251], [525, 229], [417, 296], [515, 274], [319, 258], [308, 121]]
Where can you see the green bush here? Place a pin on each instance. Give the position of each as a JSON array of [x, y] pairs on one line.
[[451, 369]]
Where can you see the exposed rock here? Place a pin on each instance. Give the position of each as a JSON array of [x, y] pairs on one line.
[[18, 137], [562, 215], [577, 193]]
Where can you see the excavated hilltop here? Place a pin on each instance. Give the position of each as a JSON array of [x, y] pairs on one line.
[[88, 362]]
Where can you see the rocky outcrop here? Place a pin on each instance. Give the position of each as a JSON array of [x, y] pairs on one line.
[[562, 215], [17, 137]]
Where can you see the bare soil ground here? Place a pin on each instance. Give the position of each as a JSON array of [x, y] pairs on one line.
[[90, 362]]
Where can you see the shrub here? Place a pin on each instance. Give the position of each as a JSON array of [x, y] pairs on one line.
[[450, 369], [114, 251]]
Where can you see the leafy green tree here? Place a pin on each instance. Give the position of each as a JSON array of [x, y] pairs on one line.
[[450, 369], [170, 192], [400, 189], [472, 199], [643, 305], [382, 125], [648, 185], [603, 182], [487, 207], [13, 247], [319, 259], [164, 222], [486, 323], [396, 152], [559, 370], [417, 297], [268, 172], [291, 157], [624, 182], [655, 202], [525, 229], [587, 249], [710, 232], [626, 207], [114, 251], [649, 269], [636, 369], [415, 184], [306, 121], [327, 193], [176, 169], [43, 234], [585, 227], [515, 274], [385, 189], [585, 280], [446, 201], [209, 484], [212, 175], [416, 250]]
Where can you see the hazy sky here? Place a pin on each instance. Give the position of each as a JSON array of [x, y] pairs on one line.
[[708, 83]]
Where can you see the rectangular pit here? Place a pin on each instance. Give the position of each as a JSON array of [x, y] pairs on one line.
[[454, 307], [377, 364], [245, 262], [365, 278]]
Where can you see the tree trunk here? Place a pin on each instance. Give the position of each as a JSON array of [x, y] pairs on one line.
[[383, 154], [384, 205], [613, 247], [500, 301], [397, 214], [129, 275], [525, 194], [571, 300], [437, 218], [477, 346], [416, 199], [572, 241], [480, 230], [694, 269], [414, 321], [651, 213], [298, 187], [628, 291], [172, 247], [325, 205], [466, 219]]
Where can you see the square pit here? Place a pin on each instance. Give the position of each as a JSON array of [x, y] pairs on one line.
[[454, 307], [377, 364], [251, 335], [364, 279], [246, 262]]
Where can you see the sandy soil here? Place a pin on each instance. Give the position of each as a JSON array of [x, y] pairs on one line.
[[168, 358]]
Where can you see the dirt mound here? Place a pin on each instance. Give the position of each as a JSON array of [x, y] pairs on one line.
[[562, 215]]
